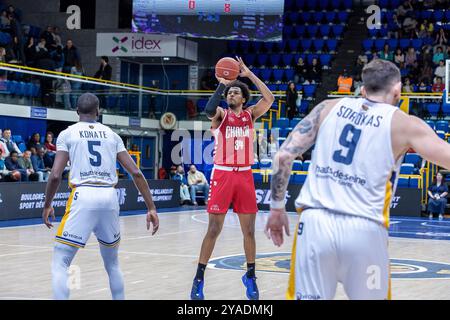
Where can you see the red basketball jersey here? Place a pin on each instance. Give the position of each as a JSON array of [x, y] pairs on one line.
[[234, 140]]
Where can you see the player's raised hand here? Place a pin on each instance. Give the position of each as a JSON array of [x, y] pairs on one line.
[[223, 80], [46, 214], [278, 220], [245, 71], [152, 219]]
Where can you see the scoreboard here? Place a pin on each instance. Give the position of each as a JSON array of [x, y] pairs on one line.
[[221, 19]]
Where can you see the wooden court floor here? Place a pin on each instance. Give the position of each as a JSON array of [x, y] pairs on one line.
[[163, 266]]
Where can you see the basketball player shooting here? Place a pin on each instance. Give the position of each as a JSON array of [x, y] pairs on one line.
[[342, 235], [232, 178], [93, 205]]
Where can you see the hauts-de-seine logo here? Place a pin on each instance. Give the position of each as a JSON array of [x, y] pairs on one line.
[[279, 262], [119, 45]]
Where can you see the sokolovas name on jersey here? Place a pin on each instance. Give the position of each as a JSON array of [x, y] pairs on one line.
[[86, 134], [359, 118]]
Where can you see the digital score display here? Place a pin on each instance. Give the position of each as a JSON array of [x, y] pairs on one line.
[[260, 20]]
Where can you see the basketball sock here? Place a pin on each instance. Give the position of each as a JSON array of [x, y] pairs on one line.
[[251, 270], [200, 271], [111, 261], [62, 258]]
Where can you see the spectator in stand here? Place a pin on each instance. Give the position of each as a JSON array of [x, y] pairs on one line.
[[47, 63], [411, 58], [438, 56], [315, 72], [386, 54], [437, 194], [5, 174], [441, 39], [407, 87], [8, 144], [16, 34], [57, 37], [301, 71], [358, 67], [177, 174], [105, 70], [71, 56], [39, 166], [291, 100], [12, 164], [75, 86], [423, 87], [403, 9], [263, 147], [12, 11], [426, 29], [208, 81], [345, 82], [440, 70], [409, 26], [49, 40], [30, 52], [41, 49], [58, 56], [426, 73], [438, 86], [395, 27], [399, 58], [4, 21], [49, 145], [26, 164], [197, 181], [35, 141]]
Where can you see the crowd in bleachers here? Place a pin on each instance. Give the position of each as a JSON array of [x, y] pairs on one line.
[[31, 161], [414, 35]]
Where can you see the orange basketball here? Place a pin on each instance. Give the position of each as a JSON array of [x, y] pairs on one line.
[[228, 68]]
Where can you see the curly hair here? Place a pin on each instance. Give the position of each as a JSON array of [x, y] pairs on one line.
[[244, 88]]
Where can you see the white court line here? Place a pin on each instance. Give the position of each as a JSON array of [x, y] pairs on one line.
[[25, 252], [99, 290], [121, 217], [136, 282]]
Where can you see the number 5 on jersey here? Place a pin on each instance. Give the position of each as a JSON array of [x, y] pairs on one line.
[[97, 160]]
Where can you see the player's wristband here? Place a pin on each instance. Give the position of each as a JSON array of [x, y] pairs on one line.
[[277, 204]]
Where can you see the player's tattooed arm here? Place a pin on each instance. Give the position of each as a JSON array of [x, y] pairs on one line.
[[299, 141]]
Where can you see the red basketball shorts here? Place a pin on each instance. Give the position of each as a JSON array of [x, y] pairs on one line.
[[232, 187]]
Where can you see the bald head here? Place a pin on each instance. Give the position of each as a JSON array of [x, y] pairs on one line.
[[88, 104]]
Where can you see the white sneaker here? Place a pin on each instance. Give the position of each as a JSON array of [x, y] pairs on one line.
[[441, 217]]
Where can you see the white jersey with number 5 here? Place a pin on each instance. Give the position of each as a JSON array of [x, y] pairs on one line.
[[353, 170], [93, 149]]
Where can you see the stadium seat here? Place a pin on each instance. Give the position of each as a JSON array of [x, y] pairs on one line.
[[287, 59], [250, 59], [268, 46], [275, 59], [403, 182], [412, 158], [323, 4], [245, 46], [297, 165], [293, 123], [438, 15], [233, 45], [440, 134], [294, 44], [417, 44], [373, 33], [414, 182], [289, 74], [433, 109], [383, 4], [348, 4], [266, 74], [262, 59], [338, 30], [407, 168], [257, 177], [201, 104], [325, 30], [379, 44], [310, 57], [393, 43], [342, 16], [431, 123], [283, 86], [330, 16], [304, 106], [331, 44], [22, 147], [319, 44], [305, 17], [325, 59], [272, 87], [300, 31], [404, 43], [255, 164], [306, 44], [317, 16], [309, 90], [312, 30], [367, 45], [17, 138], [282, 123], [442, 126], [278, 74]]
